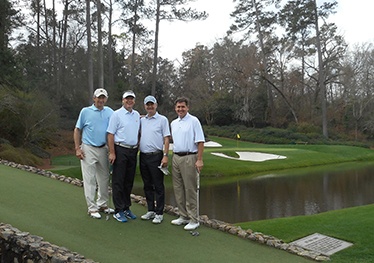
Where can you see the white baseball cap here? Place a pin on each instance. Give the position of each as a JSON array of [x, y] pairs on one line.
[[99, 92], [128, 94]]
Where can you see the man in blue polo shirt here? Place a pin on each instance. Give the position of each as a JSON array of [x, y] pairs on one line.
[[123, 139], [154, 148], [188, 146], [90, 147]]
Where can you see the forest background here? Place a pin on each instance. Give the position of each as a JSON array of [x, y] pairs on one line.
[[289, 69]]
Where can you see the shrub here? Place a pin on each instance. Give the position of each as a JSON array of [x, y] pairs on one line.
[[303, 133], [19, 155]]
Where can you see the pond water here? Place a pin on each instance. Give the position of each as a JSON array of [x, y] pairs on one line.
[[285, 194]]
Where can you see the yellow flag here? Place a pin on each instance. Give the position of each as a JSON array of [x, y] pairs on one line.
[[238, 136]]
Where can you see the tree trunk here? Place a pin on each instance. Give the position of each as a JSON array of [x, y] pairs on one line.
[[134, 31], [321, 75], [155, 56], [54, 47], [271, 109], [37, 2], [48, 42], [89, 51], [110, 49], [64, 43], [100, 46]]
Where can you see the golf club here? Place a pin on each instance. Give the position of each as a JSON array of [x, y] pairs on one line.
[[109, 191], [196, 233], [107, 215]]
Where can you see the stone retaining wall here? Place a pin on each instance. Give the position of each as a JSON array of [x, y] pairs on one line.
[[20, 245], [17, 246]]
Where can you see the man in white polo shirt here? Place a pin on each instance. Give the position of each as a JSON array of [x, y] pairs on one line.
[[154, 148], [90, 147], [123, 138], [188, 146]]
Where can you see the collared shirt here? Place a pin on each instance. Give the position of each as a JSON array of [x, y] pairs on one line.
[[186, 133], [93, 123], [153, 131], [125, 125]]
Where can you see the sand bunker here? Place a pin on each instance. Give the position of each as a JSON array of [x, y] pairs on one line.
[[243, 156], [206, 144], [212, 144], [252, 156]]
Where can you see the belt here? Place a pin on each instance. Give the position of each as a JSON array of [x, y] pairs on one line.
[[152, 153], [126, 145], [184, 153], [100, 146]]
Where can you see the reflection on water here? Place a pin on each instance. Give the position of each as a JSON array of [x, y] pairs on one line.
[[282, 196]]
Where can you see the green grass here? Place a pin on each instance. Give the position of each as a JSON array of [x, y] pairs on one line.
[[67, 165], [298, 156], [56, 211], [354, 225]]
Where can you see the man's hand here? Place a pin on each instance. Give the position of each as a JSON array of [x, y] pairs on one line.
[[79, 153], [164, 161], [199, 165], [112, 158]]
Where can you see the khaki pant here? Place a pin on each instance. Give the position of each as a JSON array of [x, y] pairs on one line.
[[95, 174], [185, 185]]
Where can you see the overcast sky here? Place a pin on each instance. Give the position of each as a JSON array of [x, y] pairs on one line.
[[354, 19]]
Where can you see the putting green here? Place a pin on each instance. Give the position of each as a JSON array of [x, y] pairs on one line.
[[56, 211]]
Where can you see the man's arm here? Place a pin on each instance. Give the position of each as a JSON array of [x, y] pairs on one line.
[[200, 150], [165, 159], [112, 153], [77, 143]]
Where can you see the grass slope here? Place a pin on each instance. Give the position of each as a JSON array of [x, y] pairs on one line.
[[57, 212], [298, 156]]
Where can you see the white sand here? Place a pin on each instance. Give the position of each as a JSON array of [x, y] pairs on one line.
[[206, 144], [243, 156], [252, 156], [212, 144]]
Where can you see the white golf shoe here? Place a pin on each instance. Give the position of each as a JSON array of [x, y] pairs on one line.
[[94, 214], [148, 215], [158, 219], [180, 221], [192, 225]]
